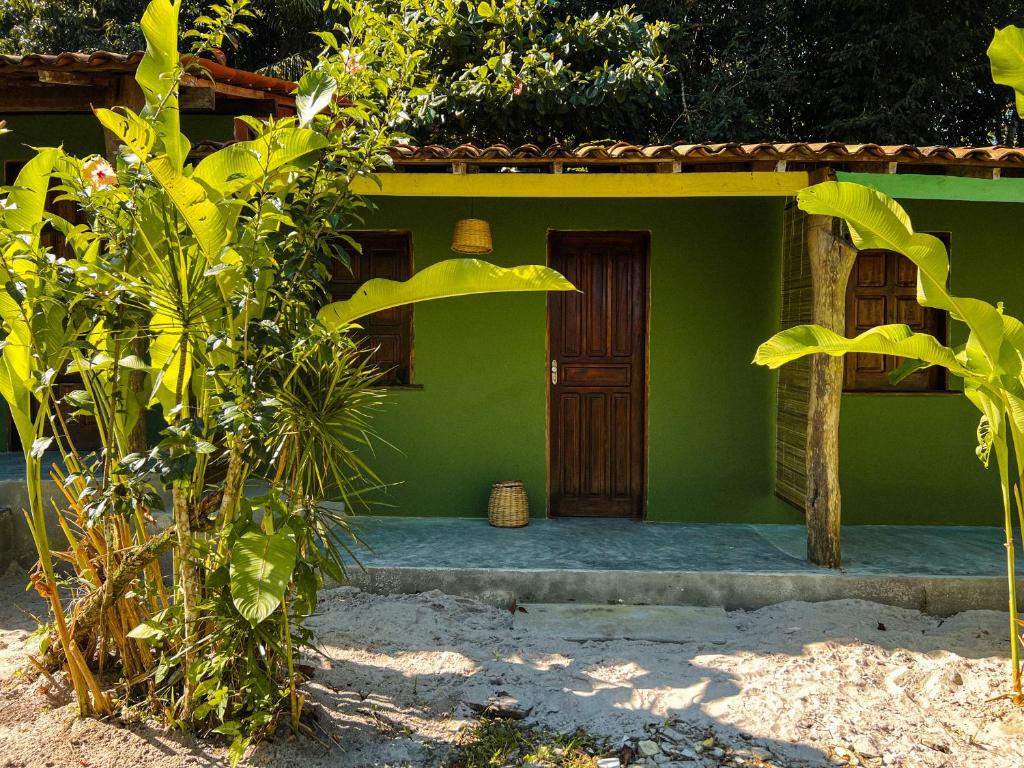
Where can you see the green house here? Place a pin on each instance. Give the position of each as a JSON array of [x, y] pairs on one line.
[[635, 397], [687, 258]]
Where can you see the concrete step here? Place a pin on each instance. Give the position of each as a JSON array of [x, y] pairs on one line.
[[937, 595]]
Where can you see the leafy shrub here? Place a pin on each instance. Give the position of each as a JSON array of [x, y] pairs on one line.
[[190, 299]]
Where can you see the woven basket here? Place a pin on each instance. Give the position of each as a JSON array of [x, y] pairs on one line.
[[472, 236], [508, 507]]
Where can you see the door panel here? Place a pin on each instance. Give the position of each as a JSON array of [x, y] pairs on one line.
[[597, 400]]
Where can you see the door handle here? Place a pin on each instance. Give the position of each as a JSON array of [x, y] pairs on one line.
[[554, 371]]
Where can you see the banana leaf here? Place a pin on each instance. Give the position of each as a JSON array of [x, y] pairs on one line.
[[157, 75], [189, 197], [896, 340], [1006, 55], [454, 277], [231, 169]]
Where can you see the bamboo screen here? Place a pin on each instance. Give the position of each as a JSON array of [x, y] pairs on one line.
[[795, 377]]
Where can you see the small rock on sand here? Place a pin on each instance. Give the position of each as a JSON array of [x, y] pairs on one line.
[[648, 748]]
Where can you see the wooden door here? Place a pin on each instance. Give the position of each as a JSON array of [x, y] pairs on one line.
[[597, 375]]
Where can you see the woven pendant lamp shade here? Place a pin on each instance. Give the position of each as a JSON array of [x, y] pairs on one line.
[[472, 236]]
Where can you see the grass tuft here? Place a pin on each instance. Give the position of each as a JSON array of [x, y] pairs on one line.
[[497, 742]]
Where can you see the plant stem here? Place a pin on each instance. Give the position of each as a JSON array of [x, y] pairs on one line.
[[187, 576], [137, 442], [130, 568], [1011, 568], [293, 696], [232, 487], [186, 586], [81, 678]]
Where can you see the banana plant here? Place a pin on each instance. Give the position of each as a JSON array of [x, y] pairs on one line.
[[203, 231], [989, 362], [40, 332]]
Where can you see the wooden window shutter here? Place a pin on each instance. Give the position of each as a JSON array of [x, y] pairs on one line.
[[388, 334], [883, 290]]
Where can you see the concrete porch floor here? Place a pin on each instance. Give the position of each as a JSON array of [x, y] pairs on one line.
[[940, 570], [937, 569]]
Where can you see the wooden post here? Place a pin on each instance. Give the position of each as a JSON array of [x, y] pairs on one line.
[[831, 260], [124, 92]]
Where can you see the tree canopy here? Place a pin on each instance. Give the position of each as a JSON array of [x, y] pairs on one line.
[[515, 71]]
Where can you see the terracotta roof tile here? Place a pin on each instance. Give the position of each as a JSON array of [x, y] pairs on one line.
[[696, 154], [101, 62], [105, 60]]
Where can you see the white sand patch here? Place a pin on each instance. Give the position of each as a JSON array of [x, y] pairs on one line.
[[804, 681]]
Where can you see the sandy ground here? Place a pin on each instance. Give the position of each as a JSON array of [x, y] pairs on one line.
[[804, 684]]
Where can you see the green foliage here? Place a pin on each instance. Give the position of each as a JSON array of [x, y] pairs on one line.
[[238, 166], [324, 401], [521, 70], [262, 565], [72, 25], [748, 71], [885, 71], [316, 89], [453, 277], [225, 24], [1006, 55], [157, 75], [896, 340], [497, 741], [276, 29]]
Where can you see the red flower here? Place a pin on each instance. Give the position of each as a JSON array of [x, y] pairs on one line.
[[517, 87]]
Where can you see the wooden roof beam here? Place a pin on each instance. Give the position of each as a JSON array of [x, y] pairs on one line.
[[233, 91], [589, 185], [69, 77], [36, 98], [83, 97]]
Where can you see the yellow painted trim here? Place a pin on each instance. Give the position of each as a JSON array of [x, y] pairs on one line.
[[724, 184]]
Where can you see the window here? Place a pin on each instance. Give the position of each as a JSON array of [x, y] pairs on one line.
[[11, 170], [883, 290], [387, 334]]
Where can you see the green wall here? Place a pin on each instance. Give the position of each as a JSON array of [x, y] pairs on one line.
[[81, 134], [480, 415], [904, 458], [910, 458]]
